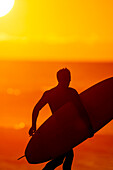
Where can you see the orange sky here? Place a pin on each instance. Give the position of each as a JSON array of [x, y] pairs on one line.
[[58, 30]]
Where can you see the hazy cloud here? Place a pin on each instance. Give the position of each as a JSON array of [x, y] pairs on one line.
[[6, 37]]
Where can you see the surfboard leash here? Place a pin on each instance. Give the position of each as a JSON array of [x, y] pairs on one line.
[[21, 157]]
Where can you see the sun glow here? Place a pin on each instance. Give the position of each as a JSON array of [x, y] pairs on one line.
[[21, 125], [6, 6]]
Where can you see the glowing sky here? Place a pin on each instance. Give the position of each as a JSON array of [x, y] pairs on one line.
[[58, 30]]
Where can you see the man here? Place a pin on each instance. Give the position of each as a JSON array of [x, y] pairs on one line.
[[56, 98]]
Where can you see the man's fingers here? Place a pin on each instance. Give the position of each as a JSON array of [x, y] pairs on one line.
[[30, 132]]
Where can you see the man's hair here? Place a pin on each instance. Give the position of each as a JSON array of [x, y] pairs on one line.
[[63, 74]]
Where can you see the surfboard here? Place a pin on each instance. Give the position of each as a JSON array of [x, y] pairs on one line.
[[65, 129]]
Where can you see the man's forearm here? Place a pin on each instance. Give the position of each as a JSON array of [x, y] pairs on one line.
[[36, 110], [34, 117]]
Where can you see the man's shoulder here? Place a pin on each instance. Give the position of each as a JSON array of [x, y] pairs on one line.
[[73, 90], [55, 90], [47, 92]]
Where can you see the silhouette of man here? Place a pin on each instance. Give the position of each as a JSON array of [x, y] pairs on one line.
[[57, 97]]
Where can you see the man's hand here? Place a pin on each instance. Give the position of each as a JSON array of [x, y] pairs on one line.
[[32, 131]]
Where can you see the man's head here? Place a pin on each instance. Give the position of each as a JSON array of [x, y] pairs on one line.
[[64, 77]]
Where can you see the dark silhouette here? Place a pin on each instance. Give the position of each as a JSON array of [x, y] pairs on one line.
[[57, 97]]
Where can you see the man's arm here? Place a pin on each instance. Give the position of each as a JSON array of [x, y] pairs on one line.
[[41, 103]]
